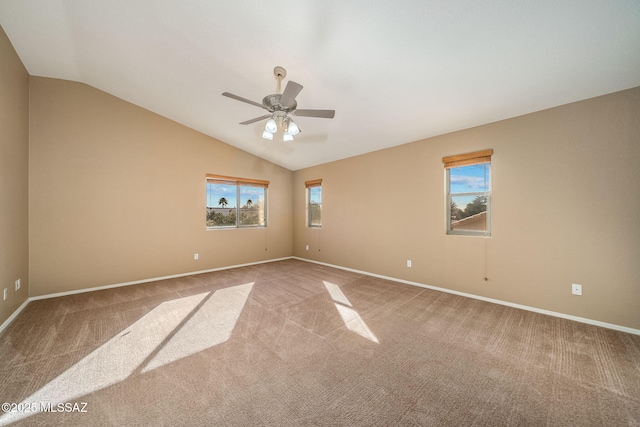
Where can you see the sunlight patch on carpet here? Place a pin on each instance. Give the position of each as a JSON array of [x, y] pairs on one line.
[[350, 317], [209, 326], [173, 330]]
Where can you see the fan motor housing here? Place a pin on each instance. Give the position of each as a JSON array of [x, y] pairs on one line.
[[272, 104]]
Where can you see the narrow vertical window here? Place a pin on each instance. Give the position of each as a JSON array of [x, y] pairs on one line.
[[236, 202], [314, 203], [468, 204]]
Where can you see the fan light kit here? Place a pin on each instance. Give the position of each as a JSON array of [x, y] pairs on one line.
[[281, 107]]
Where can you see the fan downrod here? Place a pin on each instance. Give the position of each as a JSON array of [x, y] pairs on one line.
[[279, 73]]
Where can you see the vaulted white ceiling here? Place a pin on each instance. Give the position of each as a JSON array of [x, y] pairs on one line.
[[394, 71]]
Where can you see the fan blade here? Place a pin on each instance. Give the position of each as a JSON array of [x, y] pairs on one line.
[[239, 98], [290, 92], [325, 114], [257, 119]]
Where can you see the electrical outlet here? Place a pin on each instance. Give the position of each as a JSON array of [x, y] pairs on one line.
[[196, 256], [409, 263], [576, 289], [307, 247], [17, 284], [5, 294]]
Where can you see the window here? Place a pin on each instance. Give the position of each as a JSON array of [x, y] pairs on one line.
[[236, 202], [314, 203], [469, 193]]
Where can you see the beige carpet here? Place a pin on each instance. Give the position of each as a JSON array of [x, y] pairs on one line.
[[293, 343]]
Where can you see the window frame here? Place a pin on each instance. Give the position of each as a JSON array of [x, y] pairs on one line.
[[309, 185], [462, 160], [238, 183]]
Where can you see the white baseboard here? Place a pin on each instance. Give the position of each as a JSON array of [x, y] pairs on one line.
[[135, 282], [478, 297], [14, 315], [408, 282]]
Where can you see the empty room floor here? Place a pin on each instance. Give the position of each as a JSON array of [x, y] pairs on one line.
[[292, 343]]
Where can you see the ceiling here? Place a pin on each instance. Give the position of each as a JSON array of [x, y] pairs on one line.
[[395, 72]]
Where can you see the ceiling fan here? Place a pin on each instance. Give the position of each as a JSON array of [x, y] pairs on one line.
[[281, 106]]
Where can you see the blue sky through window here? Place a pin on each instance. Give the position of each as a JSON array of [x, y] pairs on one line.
[[217, 191], [469, 179], [255, 194], [315, 195]]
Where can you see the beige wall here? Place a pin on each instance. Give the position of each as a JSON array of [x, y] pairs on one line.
[[14, 157], [117, 194], [565, 210]]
